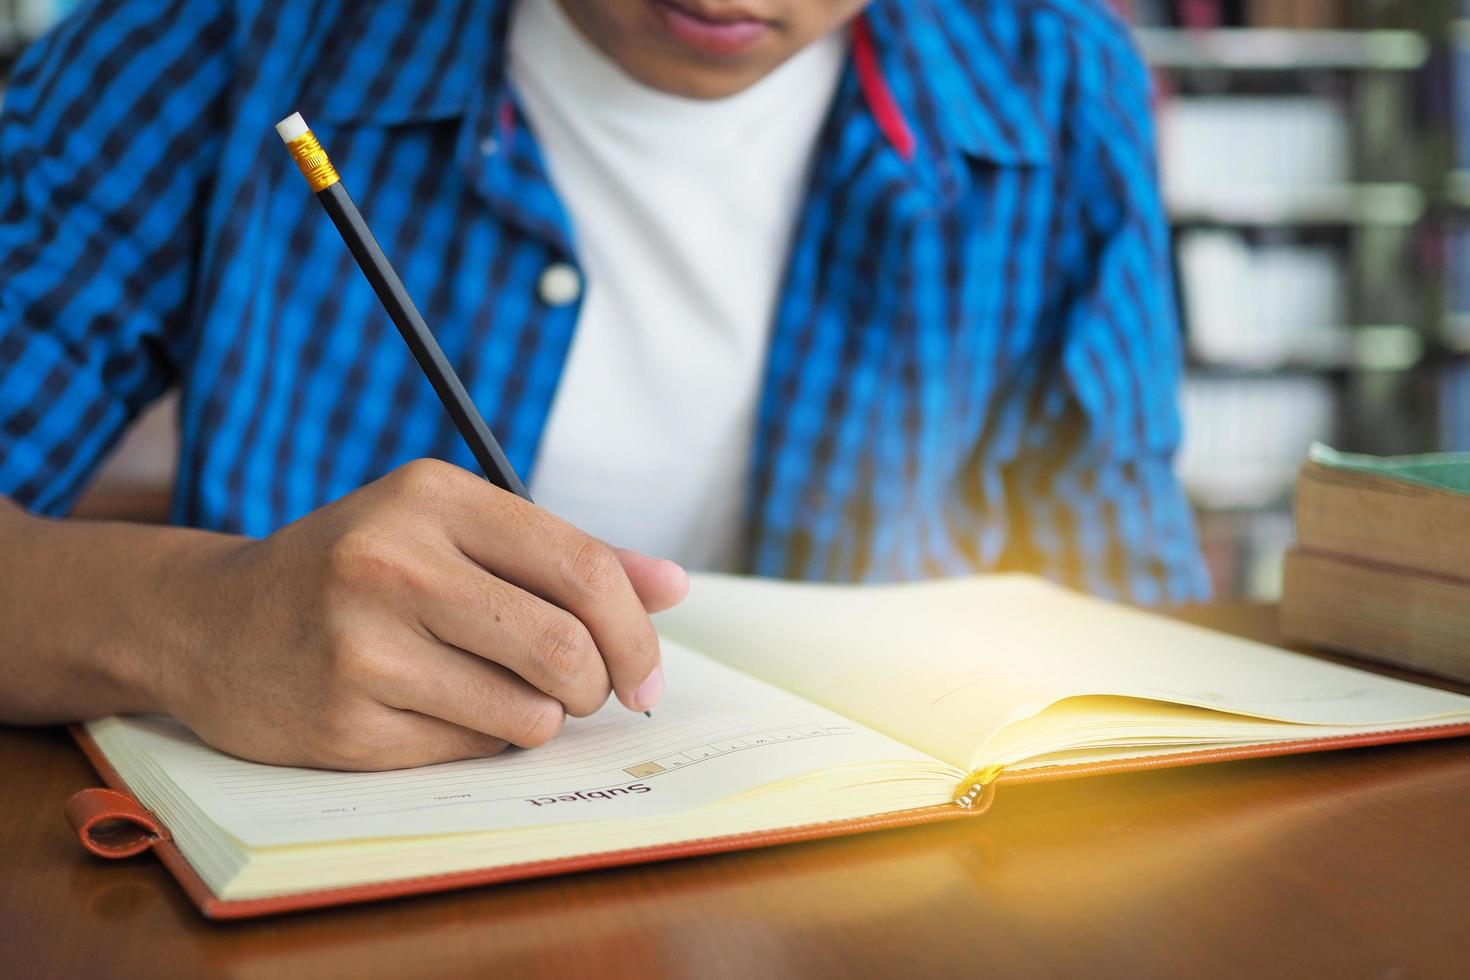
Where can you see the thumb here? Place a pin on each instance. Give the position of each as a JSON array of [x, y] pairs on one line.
[[659, 582]]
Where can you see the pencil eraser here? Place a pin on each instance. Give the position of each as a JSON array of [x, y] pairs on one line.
[[292, 127]]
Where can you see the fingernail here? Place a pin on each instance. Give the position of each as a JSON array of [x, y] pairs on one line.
[[650, 690]]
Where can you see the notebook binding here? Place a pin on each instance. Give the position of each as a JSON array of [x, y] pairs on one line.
[[967, 800], [974, 785]]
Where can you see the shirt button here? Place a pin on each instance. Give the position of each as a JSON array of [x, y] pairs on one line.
[[559, 285]]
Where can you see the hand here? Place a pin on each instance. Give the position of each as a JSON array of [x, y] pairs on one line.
[[426, 617]]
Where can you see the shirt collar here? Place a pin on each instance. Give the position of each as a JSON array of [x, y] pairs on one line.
[[439, 63], [453, 71], [957, 85]]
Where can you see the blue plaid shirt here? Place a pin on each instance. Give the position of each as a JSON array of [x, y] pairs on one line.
[[972, 364]]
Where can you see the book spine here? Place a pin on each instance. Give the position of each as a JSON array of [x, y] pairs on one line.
[[1454, 399], [1459, 51], [977, 788], [1200, 15]]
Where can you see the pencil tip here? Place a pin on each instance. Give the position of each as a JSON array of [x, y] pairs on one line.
[[648, 714]]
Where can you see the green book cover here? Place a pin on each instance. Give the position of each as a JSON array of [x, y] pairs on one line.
[[1442, 471]]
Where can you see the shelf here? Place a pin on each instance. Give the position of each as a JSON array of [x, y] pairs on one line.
[[1391, 205], [1455, 333], [1274, 508], [1387, 347], [1369, 347], [1283, 50], [1213, 370], [1243, 487], [1457, 189]]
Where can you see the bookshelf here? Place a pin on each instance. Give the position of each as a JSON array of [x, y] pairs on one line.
[[1391, 204], [1316, 162], [1279, 49]]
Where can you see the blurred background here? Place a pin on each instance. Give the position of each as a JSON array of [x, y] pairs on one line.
[[1316, 165]]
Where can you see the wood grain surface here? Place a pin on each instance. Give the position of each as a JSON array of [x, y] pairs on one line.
[[1349, 864]]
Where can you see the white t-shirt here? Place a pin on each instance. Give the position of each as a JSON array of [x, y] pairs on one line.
[[682, 212]]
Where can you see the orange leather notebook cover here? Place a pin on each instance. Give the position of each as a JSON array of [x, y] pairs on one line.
[[112, 824]]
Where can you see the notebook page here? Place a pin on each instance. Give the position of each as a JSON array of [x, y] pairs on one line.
[[716, 733], [1095, 728], [946, 665]]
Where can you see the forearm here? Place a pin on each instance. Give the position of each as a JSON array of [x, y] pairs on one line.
[[95, 617]]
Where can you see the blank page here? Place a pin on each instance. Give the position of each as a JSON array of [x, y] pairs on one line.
[[944, 666]]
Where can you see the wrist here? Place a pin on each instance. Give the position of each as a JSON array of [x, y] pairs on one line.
[[180, 613], [101, 618]]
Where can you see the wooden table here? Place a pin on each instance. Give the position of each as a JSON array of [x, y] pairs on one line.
[[1350, 864]]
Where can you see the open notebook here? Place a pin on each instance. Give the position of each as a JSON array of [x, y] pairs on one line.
[[793, 711]]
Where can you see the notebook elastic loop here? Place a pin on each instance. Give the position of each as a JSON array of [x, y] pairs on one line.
[[112, 824]]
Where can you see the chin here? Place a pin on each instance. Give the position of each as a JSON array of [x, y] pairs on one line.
[[704, 84], [697, 77]]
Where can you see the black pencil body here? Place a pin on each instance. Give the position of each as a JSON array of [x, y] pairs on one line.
[[405, 316]]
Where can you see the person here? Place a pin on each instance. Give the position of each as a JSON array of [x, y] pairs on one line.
[[809, 288]]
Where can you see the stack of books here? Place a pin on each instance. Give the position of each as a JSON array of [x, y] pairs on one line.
[[1381, 563]]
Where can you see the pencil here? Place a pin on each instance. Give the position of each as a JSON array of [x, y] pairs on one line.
[[327, 185]]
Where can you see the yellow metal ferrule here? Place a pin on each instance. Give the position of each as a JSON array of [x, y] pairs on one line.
[[312, 160]]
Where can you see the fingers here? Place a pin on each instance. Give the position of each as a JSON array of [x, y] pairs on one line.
[[406, 740], [472, 694], [659, 583], [546, 646], [532, 548], [419, 740], [583, 576]]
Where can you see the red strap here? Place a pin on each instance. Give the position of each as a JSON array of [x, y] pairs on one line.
[[884, 106], [112, 824]]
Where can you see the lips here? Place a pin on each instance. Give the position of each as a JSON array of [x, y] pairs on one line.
[[723, 33]]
